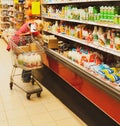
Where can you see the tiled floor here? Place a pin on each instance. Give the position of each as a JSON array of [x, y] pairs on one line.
[[16, 110]]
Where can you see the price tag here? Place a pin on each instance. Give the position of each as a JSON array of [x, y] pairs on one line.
[[33, 28], [36, 8]]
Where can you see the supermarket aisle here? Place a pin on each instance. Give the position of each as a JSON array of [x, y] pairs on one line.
[[16, 110]]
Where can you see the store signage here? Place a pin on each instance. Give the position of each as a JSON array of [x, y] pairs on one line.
[[36, 8], [16, 1]]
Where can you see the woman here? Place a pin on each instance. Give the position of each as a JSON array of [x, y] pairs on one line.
[[26, 29], [29, 28]]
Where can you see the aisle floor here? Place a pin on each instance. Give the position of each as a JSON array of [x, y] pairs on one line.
[[16, 110]]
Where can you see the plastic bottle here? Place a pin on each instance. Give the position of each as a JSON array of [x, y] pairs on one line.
[[95, 36], [20, 59], [108, 38], [112, 13], [109, 13], [101, 37], [38, 60], [105, 13], [101, 13], [112, 39], [80, 28], [56, 26], [117, 41]]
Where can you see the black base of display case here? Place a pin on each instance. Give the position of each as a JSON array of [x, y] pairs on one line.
[[77, 103]]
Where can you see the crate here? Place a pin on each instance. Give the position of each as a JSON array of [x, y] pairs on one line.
[[51, 41]]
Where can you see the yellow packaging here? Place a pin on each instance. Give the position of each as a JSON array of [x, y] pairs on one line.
[[33, 47], [117, 46], [51, 41], [22, 49]]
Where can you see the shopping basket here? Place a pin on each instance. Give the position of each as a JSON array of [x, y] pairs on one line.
[[26, 55]]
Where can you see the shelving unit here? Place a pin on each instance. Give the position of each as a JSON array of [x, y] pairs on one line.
[[6, 12], [57, 14], [5, 24], [18, 15]]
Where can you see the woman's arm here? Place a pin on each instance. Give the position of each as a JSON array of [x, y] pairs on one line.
[[37, 34], [25, 34]]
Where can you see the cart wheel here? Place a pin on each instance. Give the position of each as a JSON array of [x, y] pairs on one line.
[[28, 96], [11, 85], [38, 94]]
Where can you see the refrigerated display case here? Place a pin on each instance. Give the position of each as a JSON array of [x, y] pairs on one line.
[[80, 88]]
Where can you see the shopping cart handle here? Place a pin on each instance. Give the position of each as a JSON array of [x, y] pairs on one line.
[[25, 34]]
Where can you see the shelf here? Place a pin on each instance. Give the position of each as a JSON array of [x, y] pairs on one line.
[[5, 22], [2, 29], [102, 24], [4, 9], [18, 20], [14, 22], [84, 42], [4, 16], [11, 15], [111, 88], [18, 12], [76, 1]]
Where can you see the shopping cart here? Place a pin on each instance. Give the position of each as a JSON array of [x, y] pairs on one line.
[[26, 55]]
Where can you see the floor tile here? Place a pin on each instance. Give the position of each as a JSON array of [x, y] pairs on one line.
[[16, 110], [23, 121], [70, 122], [60, 114], [4, 123], [2, 116], [41, 119], [47, 124], [14, 114]]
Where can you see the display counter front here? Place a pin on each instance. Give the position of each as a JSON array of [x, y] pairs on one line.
[[75, 88]]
